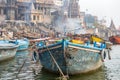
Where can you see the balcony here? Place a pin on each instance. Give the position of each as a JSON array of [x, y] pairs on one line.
[[2, 5]]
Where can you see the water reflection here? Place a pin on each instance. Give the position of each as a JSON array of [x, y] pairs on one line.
[[10, 69], [96, 75], [112, 67], [22, 53]]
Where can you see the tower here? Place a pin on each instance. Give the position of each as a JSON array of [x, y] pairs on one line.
[[10, 9], [74, 9], [112, 28]]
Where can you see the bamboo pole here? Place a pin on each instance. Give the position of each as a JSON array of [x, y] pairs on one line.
[[21, 67], [64, 78]]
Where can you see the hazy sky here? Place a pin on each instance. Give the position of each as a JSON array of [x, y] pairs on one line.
[[108, 9]]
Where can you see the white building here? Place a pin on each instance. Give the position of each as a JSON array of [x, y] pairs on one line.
[[58, 2]]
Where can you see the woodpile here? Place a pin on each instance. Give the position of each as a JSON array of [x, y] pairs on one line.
[[30, 32]]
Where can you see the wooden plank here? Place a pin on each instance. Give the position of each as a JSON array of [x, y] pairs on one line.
[[87, 49]]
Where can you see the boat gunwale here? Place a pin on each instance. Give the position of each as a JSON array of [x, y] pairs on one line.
[[9, 47], [84, 46], [70, 43], [86, 49], [51, 45]]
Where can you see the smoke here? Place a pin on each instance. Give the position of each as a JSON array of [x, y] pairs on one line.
[[74, 26], [69, 25], [28, 5], [65, 24]]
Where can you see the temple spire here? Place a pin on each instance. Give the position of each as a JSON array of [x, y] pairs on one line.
[[112, 26]]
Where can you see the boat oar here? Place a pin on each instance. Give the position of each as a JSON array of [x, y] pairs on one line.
[[64, 78]]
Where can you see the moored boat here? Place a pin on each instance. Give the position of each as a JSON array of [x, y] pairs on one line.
[[96, 39], [72, 58], [23, 44], [7, 50], [115, 39]]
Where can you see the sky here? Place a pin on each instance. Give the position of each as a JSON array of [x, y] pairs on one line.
[[107, 9]]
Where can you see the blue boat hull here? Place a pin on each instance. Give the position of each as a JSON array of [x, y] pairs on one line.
[[23, 44], [23, 47], [72, 59], [81, 61]]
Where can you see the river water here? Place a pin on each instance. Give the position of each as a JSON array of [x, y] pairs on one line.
[[11, 70]]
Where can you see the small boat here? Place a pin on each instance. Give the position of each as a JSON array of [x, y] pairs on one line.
[[77, 41], [7, 50], [115, 39], [96, 39], [71, 58], [23, 44]]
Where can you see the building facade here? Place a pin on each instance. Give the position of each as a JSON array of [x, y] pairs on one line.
[[35, 11], [74, 9], [8, 9], [89, 20], [58, 2]]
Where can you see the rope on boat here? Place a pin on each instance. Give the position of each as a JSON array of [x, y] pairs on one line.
[[64, 78], [35, 57], [65, 51], [35, 54], [23, 64], [32, 45], [21, 67]]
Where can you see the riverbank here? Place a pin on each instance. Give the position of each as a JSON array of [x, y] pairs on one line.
[[20, 30]]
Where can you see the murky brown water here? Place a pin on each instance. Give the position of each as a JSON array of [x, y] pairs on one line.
[[30, 71]]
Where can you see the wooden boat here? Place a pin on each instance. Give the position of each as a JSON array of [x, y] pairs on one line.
[[115, 39], [23, 44], [77, 41], [96, 39], [40, 39], [7, 50], [71, 58]]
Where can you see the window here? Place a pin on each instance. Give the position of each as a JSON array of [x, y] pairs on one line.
[[37, 17], [34, 17], [38, 7]]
